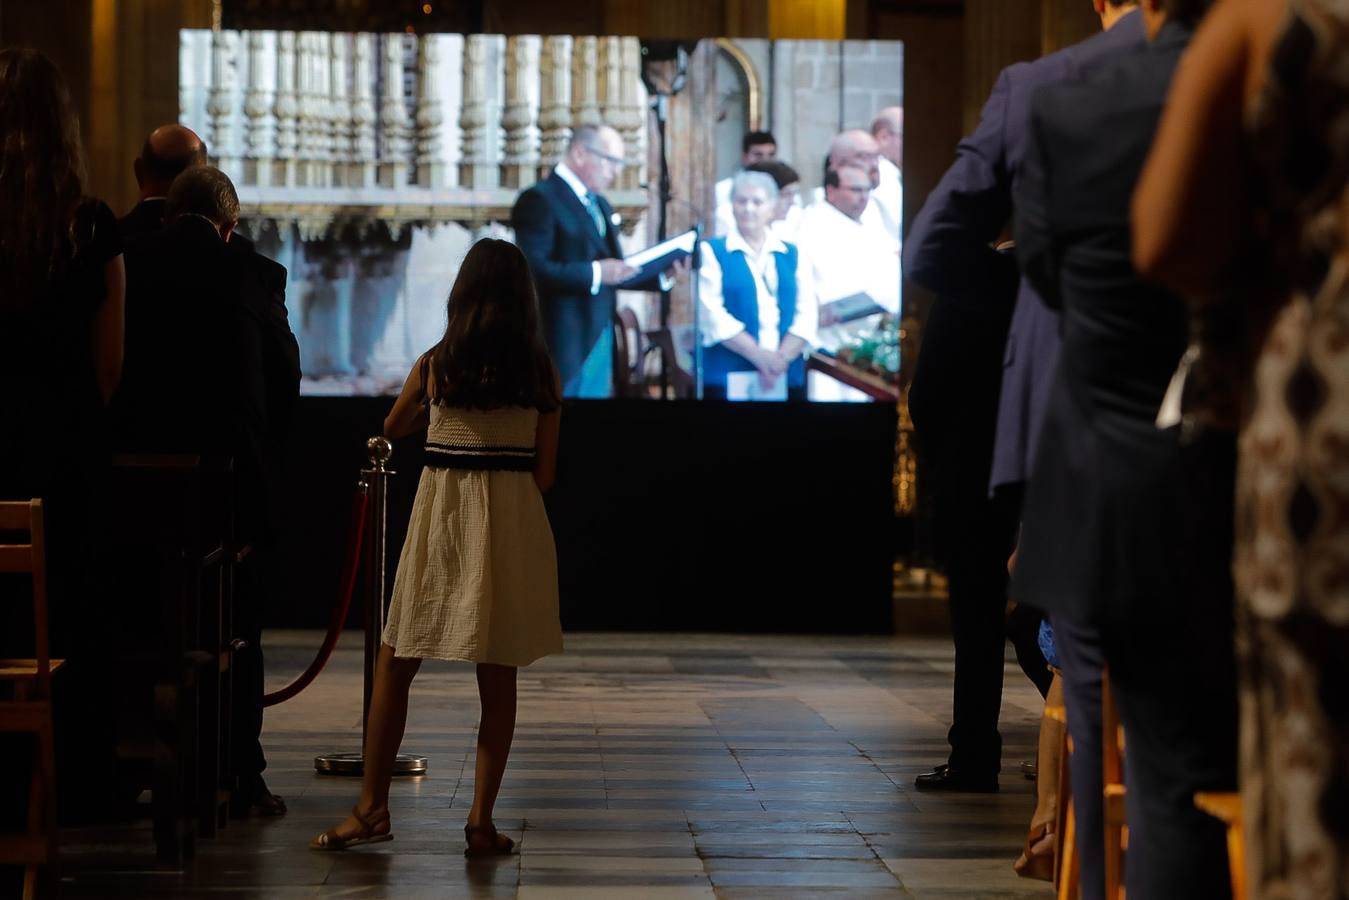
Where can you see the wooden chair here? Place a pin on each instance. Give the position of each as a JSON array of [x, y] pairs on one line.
[[30, 710], [634, 348], [1067, 874], [628, 355], [1226, 807], [1112, 779]]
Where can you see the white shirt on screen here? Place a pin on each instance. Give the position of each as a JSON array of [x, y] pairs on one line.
[[718, 325], [583, 194], [846, 257], [888, 197]]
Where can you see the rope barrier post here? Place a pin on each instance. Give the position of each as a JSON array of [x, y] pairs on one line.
[[375, 478]]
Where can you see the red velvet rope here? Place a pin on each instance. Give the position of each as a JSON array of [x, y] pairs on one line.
[[350, 561]]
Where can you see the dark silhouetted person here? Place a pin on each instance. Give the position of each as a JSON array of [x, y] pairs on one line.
[[1127, 536], [954, 398], [212, 367], [169, 151]]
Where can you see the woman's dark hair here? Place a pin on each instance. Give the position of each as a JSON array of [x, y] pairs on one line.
[[493, 354], [41, 174]]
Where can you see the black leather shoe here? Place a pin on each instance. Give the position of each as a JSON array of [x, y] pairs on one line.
[[944, 778], [255, 799]]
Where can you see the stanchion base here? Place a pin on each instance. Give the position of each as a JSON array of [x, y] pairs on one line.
[[354, 764]]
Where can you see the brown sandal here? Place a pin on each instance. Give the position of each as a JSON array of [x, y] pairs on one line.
[[497, 843], [331, 840]]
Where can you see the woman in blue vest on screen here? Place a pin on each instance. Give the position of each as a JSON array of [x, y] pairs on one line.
[[758, 315]]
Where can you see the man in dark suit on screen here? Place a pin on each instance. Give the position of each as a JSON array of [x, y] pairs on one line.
[[569, 234], [954, 398]]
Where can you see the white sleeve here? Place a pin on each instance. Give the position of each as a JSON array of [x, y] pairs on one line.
[[887, 277], [806, 322], [717, 324], [595, 278]]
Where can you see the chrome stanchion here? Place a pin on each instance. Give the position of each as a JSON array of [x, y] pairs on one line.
[[376, 478]]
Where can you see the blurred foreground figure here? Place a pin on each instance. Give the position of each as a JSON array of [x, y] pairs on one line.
[[1244, 209]]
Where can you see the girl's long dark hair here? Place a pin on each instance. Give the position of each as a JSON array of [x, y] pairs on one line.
[[493, 354], [41, 174]]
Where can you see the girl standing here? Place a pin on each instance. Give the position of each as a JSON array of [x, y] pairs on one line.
[[477, 578]]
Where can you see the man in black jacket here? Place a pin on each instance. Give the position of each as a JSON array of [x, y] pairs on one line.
[[169, 151], [569, 234], [1127, 536], [212, 366]]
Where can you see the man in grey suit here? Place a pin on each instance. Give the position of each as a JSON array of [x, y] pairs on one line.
[[956, 386]]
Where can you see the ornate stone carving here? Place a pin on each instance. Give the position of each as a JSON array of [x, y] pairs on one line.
[[361, 169], [339, 107], [287, 110], [258, 107], [430, 165], [320, 165], [224, 121], [521, 159], [307, 102], [585, 100], [620, 78], [554, 100], [474, 164], [393, 117]]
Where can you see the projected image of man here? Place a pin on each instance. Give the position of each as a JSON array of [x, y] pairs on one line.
[[849, 259], [569, 233]]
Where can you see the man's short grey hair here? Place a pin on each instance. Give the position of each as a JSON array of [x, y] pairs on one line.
[[203, 191], [749, 180], [584, 136]]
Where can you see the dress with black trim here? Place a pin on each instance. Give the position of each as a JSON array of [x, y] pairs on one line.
[[477, 576]]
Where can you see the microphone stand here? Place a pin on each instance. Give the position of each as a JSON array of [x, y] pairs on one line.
[[660, 107]]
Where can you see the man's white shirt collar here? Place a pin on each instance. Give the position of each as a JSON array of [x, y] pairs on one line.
[[573, 181]]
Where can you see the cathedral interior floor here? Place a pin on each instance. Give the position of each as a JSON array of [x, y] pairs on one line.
[[645, 766]]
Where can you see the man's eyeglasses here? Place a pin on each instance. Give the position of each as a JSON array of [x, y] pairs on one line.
[[615, 161]]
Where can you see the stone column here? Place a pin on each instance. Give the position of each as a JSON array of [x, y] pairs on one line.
[[554, 100], [321, 167], [585, 101], [474, 167], [224, 122], [430, 165], [286, 110], [521, 161], [339, 108], [620, 84], [258, 107], [393, 118], [306, 102], [361, 167]]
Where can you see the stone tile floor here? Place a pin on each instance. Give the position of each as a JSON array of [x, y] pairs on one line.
[[645, 766]]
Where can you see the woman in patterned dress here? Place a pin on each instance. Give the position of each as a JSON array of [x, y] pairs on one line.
[[1244, 208], [477, 578]]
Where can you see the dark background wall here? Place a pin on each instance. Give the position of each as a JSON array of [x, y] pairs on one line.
[[678, 515]]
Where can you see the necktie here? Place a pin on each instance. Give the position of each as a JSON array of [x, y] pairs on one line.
[[593, 207]]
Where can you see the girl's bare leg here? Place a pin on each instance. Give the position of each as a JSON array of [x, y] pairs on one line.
[[384, 734], [496, 730]]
